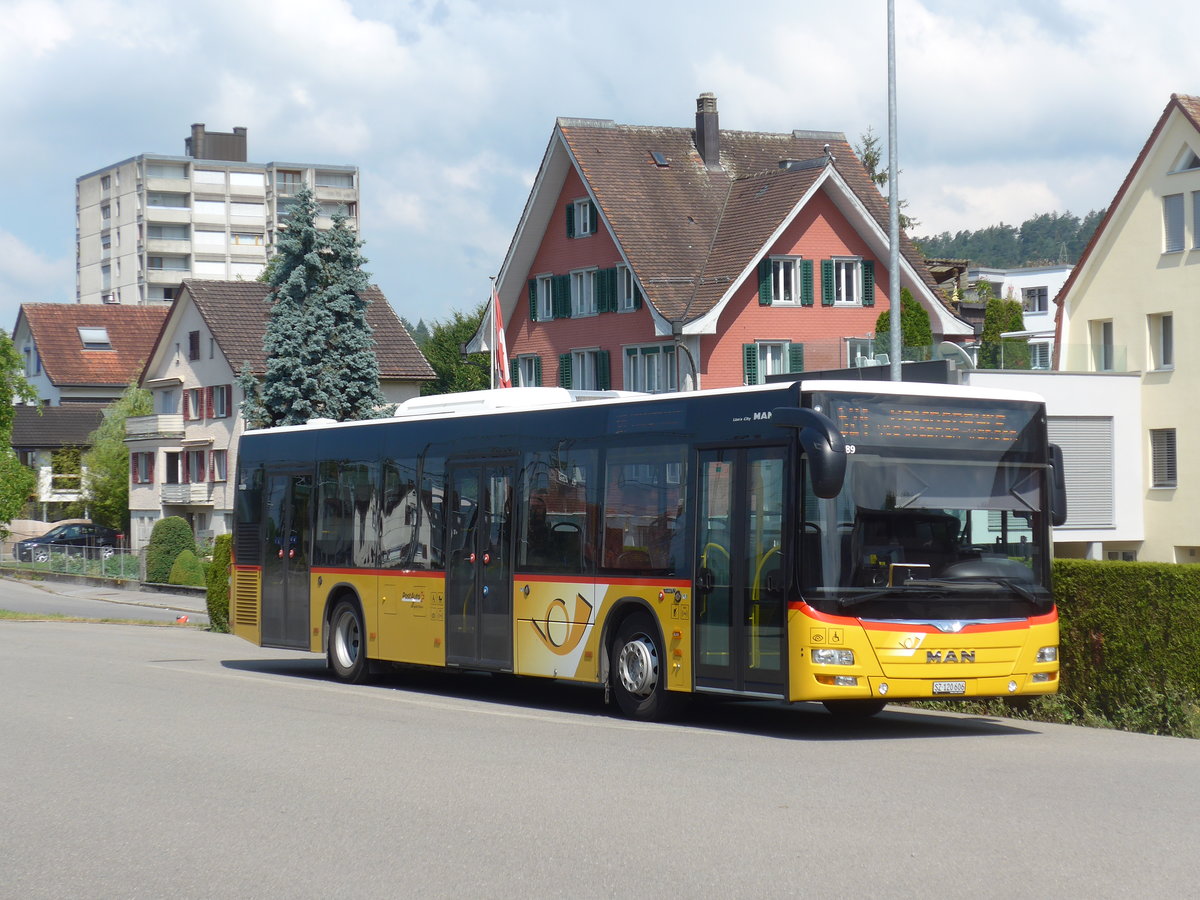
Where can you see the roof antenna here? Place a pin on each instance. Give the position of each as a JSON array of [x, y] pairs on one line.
[[832, 158]]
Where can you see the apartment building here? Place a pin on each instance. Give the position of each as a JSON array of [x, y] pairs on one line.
[[145, 224]]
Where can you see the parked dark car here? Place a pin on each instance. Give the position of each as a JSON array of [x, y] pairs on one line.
[[74, 539]]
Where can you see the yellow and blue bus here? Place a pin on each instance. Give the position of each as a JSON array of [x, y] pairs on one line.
[[836, 541]]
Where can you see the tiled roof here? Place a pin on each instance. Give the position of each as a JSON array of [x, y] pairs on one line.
[[688, 230], [132, 331], [67, 425], [237, 312]]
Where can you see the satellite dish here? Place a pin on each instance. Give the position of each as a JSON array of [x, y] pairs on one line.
[[956, 354]]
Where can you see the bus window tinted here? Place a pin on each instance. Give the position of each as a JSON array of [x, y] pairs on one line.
[[399, 546], [643, 499], [557, 534], [347, 526]]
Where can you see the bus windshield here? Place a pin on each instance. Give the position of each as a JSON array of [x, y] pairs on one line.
[[928, 538]]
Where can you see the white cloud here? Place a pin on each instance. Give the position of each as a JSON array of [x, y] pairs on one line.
[[27, 275]]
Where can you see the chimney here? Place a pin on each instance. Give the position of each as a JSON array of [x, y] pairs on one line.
[[708, 134], [194, 145]]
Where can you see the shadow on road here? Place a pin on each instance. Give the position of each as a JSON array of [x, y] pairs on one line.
[[774, 719]]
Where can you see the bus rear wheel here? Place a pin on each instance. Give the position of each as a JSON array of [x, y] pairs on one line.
[[639, 670], [854, 709], [347, 651]]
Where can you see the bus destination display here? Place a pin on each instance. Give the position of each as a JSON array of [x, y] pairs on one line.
[[882, 420]]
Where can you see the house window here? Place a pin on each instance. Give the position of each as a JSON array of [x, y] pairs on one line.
[[105, 182], [193, 345], [105, 215], [1162, 341], [1196, 219], [1039, 354], [629, 297], [288, 182], [222, 401], [785, 280], [1102, 345], [581, 219], [219, 469], [193, 404], [167, 232], [651, 369], [585, 370], [195, 464], [1162, 457], [764, 358], [171, 475], [1172, 223], [545, 295], [141, 467], [172, 263], [105, 278], [243, 239], [528, 371], [335, 179], [583, 293], [1035, 299], [847, 282], [166, 200]]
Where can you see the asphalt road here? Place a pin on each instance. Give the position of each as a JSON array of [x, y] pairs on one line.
[[65, 598], [173, 762]]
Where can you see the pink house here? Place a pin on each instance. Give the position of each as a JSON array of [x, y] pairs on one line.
[[659, 259]]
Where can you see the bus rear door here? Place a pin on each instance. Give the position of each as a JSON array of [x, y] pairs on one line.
[[285, 543]]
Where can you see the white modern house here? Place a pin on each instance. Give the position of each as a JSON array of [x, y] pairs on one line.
[[1035, 287], [184, 456]]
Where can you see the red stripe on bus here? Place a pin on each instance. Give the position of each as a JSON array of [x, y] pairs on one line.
[[875, 625]]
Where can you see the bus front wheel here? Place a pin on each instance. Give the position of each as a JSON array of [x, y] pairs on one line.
[[639, 670], [347, 652]]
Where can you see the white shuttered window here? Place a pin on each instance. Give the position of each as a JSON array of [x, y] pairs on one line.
[[1087, 446]]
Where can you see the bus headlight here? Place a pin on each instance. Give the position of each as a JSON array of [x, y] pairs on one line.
[[1047, 654], [826, 656]]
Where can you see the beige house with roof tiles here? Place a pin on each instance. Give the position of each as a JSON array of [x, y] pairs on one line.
[[1127, 307], [183, 457]]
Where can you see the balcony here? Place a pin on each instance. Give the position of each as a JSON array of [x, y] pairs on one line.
[[140, 428], [166, 246], [198, 494]]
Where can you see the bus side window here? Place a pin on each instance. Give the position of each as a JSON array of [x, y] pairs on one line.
[[555, 531], [643, 498], [399, 547], [430, 518]]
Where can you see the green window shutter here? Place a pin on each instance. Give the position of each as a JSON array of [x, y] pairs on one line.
[[603, 371], [594, 218], [637, 296], [868, 281], [564, 370], [570, 220], [606, 290], [560, 295], [764, 282], [537, 371], [750, 363], [795, 358], [827, 282], [532, 299], [806, 282]]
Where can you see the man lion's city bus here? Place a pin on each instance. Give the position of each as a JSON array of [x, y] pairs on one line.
[[844, 542]]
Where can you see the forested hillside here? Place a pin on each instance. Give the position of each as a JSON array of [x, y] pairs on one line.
[[1045, 239]]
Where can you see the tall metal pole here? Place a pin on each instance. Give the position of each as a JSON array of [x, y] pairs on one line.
[[893, 202]]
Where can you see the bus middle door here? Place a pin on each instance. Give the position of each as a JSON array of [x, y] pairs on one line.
[[285, 543], [479, 563]]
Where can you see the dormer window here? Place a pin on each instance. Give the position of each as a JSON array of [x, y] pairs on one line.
[[95, 338]]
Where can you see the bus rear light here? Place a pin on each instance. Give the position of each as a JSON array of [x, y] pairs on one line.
[[827, 656], [1047, 654]]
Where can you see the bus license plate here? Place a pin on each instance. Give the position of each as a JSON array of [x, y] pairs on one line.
[[949, 687]]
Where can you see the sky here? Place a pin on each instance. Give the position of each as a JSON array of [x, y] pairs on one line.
[[1004, 110]]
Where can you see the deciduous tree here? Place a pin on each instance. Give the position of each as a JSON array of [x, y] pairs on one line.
[[106, 462], [17, 482]]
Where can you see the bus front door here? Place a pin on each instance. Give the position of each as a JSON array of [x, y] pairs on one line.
[[479, 564], [740, 608], [285, 547]]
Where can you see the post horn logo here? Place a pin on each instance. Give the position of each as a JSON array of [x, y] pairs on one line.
[[560, 630]]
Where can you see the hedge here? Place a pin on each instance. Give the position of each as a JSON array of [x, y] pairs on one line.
[[187, 569], [218, 584]]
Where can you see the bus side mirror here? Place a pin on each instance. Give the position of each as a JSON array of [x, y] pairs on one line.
[[823, 445], [1058, 487]]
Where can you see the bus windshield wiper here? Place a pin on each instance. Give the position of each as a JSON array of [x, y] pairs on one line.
[[965, 584], [895, 590]]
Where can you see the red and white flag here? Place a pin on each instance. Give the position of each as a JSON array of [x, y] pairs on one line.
[[499, 345]]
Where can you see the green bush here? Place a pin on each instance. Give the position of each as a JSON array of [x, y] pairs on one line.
[[218, 584], [170, 537], [187, 569]]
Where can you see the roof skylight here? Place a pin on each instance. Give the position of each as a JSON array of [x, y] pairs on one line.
[[95, 338]]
